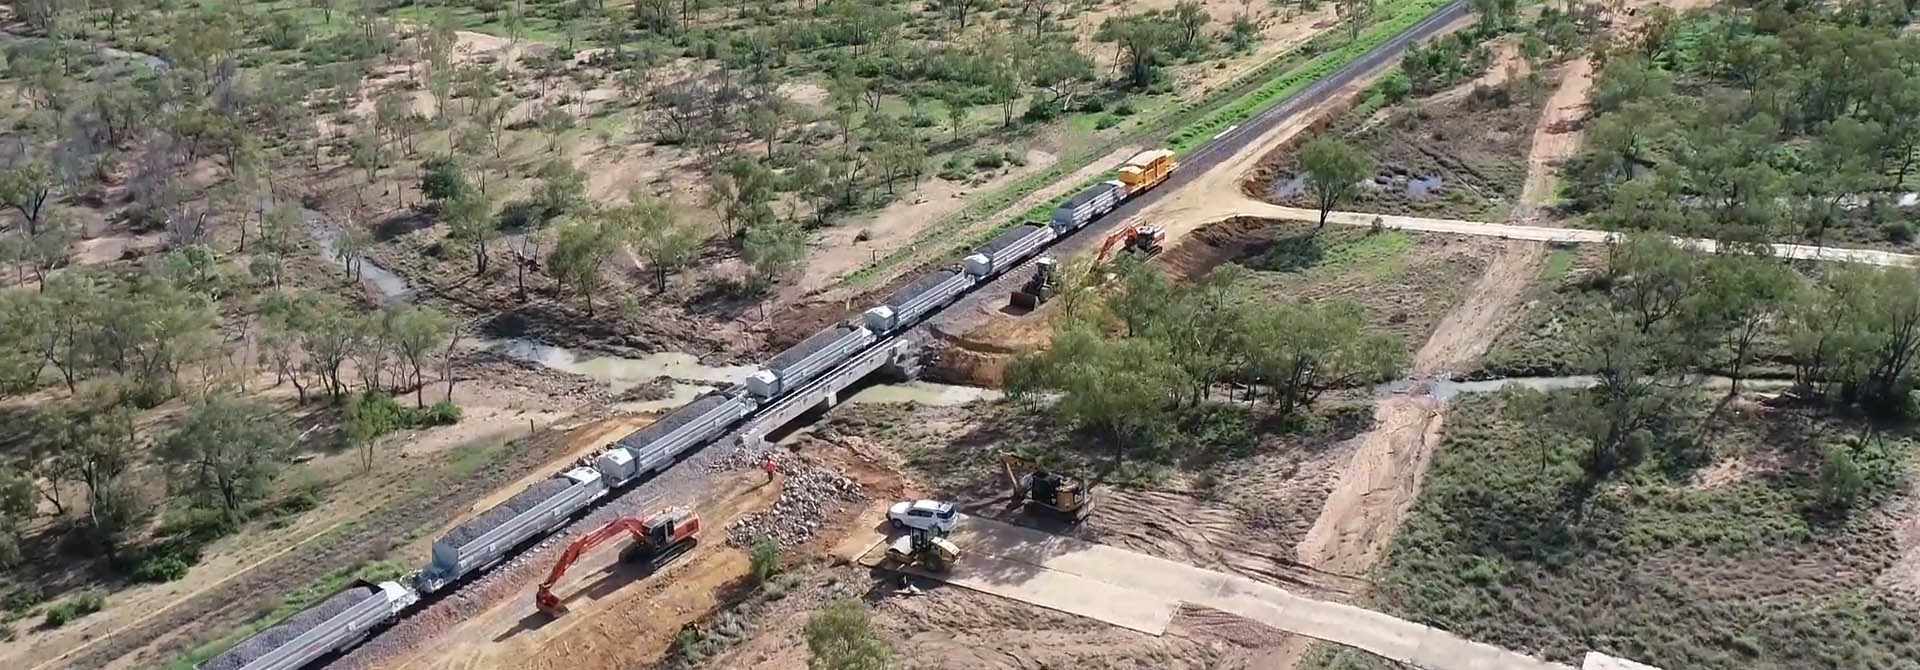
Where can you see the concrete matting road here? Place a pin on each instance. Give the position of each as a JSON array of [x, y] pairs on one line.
[[1141, 592]]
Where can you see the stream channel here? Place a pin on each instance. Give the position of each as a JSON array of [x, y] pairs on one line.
[[685, 375]]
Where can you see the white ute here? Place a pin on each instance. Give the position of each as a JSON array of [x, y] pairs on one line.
[[923, 515]]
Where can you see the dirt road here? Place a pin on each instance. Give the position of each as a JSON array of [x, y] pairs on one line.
[[1133, 589]]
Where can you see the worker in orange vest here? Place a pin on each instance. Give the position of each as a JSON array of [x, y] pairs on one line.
[[769, 467]]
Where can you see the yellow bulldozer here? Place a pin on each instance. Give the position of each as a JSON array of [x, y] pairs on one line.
[[1047, 491]]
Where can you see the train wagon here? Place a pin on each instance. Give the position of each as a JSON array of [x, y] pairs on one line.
[[484, 539], [1087, 205], [907, 305], [1007, 250], [335, 624], [802, 362], [655, 446]]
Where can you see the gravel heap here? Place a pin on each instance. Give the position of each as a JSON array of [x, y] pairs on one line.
[[506, 511], [295, 626], [808, 492]]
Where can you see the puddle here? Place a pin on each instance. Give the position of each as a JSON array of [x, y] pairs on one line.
[[1445, 390], [1283, 189], [925, 393], [1421, 187], [391, 287], [625, 373]]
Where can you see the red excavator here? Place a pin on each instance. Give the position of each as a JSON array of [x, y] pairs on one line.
[[656, 539], [1142, 239]]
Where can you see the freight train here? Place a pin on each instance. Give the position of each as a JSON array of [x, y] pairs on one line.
[[343, 620]]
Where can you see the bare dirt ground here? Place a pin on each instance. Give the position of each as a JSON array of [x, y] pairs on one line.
[[621, 614], [1555, 139]]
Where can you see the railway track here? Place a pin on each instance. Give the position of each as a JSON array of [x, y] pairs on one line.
[[678, 481]]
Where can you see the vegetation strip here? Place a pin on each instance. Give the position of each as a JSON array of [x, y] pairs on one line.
[[1249, 95]]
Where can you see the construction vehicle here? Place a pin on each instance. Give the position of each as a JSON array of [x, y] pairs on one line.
[[1146, 170], [1140, 239], [1039, 288], [1043, 490], [925, 547], [657, 539]]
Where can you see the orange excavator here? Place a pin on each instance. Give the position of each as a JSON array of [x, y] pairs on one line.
[[1143, 239], [656, 539]]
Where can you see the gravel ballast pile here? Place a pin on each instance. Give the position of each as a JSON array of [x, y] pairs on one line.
[[640, 440], [506, 511], [808, 492], [907, 293], [799, 352], [295, 626], [1006, 239]]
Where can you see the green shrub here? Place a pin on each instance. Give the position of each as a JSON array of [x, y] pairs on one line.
[[1125, 108], [1291, 254], [1898, 232], [990, 159], [25, 599], [443, 413], [161, 569], [1105, 122], [764, 559], [81, 605]]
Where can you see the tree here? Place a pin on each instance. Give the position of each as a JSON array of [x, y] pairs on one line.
[[839, 637], [744, 191], [228, 449], [414, 333], [668, 244], [16, 509], [1118, 388], [1742, 296], [960, 10], [470, 220], [442, 180], [1302, 351], [1141, 37], [1191, 19], [1060, 71], [562, 189], [1333, 170], [94, 448], [772, 249], [582, 248], [28, 189]]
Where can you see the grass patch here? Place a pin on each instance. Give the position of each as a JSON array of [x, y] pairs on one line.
[[1558, 263], [333, 582], [469, 458], [1506, 545]]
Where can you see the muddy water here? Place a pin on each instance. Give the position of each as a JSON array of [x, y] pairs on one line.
[[624, 373], [1445, 390], [390, 287], [925, 393]]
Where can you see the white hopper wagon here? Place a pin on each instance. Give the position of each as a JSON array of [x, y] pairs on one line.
[[335, 624], [655, 446], [802, 362], [912, 301], [1007, 250], [483, 540], [1087, 205]]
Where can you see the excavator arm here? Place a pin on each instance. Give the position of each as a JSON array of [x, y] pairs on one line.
[[550, 603]]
